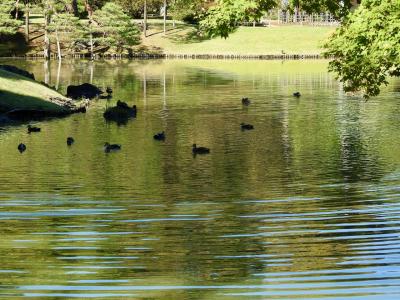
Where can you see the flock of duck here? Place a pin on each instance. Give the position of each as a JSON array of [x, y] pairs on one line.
[[158, 136]]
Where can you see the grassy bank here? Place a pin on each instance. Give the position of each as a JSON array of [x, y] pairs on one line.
[[18, 92], [292, 39]]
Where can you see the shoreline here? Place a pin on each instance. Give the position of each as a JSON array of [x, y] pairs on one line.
[[181, 56], [23, 98]]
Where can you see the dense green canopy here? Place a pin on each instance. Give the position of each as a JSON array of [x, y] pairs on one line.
[[366, 47], [113, 27], [337, 8], [223, 18], [8, 25]]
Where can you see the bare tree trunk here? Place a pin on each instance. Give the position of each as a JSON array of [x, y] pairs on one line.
[[27, 11], [173, 21], [58, 46], [165, 17], [90, 14], [145, 18], [16, 9], [46, 50]]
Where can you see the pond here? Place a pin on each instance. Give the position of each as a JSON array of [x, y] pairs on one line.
[[306, 205]]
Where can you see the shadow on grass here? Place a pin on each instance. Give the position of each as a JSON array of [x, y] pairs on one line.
[[10, 101], [192, 37], [181, 34]]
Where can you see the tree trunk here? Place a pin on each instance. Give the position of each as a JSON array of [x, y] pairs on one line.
[[46, 50], [90, 14], [58, 46], [27, 11], [16, 9], [165, 17], [145, 18], [74, 5]]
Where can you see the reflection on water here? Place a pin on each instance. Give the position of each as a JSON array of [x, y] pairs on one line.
[[304, 206]]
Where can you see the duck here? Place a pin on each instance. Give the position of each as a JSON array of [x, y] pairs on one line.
[[246, 101], [33, 129], [200, 150], [246, 126], [111, 147], [297, 94], [70, 141], [109, 90], [159, 136], [21, 148], [122, 104]]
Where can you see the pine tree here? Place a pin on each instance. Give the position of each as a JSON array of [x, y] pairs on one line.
[[8, 25], [113, 28], [64, 23]]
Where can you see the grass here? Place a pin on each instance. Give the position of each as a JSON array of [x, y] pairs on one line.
[[18, 92], [291, 39], [183, 39]]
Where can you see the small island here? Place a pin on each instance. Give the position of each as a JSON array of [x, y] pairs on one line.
[[21, 97]]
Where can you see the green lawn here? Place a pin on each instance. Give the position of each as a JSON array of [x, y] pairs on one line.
[[18, 92], [293, 39]]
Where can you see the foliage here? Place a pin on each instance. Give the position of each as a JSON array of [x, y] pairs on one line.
[[223, 18], [338, 8], [65, 22], [366, 48], [113, 27], [189, 10], [8, 25], [135, 8]]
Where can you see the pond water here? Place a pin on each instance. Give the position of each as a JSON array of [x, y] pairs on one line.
[[306, 205]]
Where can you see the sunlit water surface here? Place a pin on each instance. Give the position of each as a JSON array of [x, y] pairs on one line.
[[304, 206]]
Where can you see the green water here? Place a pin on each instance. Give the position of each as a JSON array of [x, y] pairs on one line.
[[304, 206]]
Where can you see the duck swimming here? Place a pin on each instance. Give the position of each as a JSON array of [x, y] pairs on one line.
[[122, 104], [111, 147], [159, 136], [21, 148], [200, 150], [297, 94], [33, 129], [246, 126], [246, 101], [70, 141]]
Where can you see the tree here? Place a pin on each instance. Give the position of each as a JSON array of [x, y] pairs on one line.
[[114, 28], [189, 10], [165, 5], [339, 9], [8, 25], [366, 48], [223, 18], [27, 11], [63, 22]]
